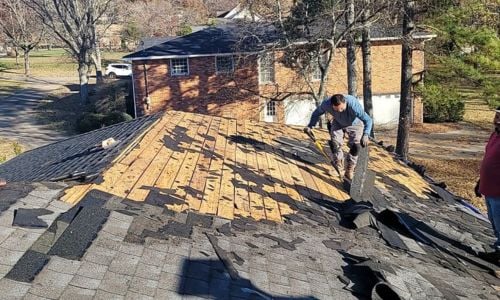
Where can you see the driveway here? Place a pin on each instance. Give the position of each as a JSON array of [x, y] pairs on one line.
[[18, 116], [464, 142]]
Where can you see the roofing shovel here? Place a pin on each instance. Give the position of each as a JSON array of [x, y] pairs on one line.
[[320, 148]]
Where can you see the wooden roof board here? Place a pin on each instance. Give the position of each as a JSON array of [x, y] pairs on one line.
[[231, 168]]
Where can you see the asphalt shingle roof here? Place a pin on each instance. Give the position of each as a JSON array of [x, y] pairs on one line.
[[235, 37], [78, 157], [221, 39], [398, 234]]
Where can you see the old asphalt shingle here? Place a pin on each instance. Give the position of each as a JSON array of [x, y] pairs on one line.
[[78, 157], [325, 256]]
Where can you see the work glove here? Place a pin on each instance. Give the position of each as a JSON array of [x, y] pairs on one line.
[[364, 140], [476, 190], [309, 132]]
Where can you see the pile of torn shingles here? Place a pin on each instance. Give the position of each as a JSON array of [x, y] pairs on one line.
[[384, 244]]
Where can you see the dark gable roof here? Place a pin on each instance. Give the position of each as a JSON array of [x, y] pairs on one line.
[[222, 39], [237, 37], [78, 157]]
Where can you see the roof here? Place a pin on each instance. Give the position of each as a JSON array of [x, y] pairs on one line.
[[236, 37], [153, 41], [213, 207], [224, 38], [78, 157]]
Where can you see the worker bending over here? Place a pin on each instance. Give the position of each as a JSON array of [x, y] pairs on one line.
[[348, 117]]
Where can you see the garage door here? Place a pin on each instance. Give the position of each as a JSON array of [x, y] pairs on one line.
[[385, 109], [298, 111]]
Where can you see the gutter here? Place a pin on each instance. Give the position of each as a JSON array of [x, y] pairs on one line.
[[131, 59]]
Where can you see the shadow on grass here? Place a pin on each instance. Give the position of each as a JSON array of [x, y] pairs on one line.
[[63, 109]]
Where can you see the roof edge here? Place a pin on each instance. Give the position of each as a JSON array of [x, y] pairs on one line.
[[129, 59]]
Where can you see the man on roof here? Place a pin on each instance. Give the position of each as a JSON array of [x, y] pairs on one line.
[[348, 118], [489, 184]]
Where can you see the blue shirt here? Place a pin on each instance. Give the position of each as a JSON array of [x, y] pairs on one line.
[[352, 115]]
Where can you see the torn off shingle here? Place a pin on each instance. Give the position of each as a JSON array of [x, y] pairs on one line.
[[80, 233]]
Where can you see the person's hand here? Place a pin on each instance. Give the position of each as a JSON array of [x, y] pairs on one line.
[[476, 190], [364, 140], [309, 132]]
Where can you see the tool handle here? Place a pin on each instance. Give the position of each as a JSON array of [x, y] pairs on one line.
[[311, 135]]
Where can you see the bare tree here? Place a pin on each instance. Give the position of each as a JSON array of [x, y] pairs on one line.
[[22, 28], [154, 18], [310, 32], [367, 64], [74, 22], [402, 144], [352, 82], [110, 16]]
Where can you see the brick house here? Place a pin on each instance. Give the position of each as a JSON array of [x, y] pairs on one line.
[[202, 72]]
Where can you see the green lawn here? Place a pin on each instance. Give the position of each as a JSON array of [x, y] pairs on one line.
[[51, 63]]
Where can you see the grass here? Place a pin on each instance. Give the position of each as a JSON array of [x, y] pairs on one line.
[[52, 63], [460, 175], [9, 149]]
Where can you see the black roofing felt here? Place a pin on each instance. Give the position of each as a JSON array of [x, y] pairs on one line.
[[232, 37], [78, 157]]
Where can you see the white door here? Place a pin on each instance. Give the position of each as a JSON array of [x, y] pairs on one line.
[[298, 111]]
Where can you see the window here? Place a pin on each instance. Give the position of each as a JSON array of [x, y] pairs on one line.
[[179, 66], [315, 67], [224, 64], [316, 72], [271, 108], [266, 68]]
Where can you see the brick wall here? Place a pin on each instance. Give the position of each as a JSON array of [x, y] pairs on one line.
[[386, 75], [204, 91]]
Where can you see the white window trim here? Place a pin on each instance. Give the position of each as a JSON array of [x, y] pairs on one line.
[[324, 58], [172, 69], [313, 78], [273, 104], [274, 69], [217, 67]]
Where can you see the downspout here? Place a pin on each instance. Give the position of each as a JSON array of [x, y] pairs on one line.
[[147, 100], [133, 93]]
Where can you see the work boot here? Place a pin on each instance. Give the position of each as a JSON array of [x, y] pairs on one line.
[[349, 171]]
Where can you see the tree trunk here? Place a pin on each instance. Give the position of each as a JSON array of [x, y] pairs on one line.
[[84, 82], [402, 145], [27, 62], [16, 50], [322, 87], [351, 51], [367, 69], [97, 60]]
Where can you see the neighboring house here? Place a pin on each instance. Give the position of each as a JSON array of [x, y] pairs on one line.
[[217, 208], [218, 71], [239, 12]]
